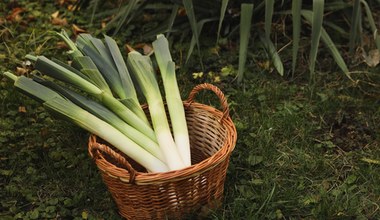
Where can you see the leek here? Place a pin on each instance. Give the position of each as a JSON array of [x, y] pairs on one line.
[[74, 51], [130, 100], [106, 115], [142, 69], [58, 104], [173, 97], [105, 67], [56, 71], [108, 59], [104, 130]]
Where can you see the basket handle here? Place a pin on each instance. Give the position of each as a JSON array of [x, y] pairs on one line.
[[217, 91], [96, 148]]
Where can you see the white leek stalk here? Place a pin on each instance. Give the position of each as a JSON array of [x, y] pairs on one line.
[[173, 97], [107, 132], [142, 69]]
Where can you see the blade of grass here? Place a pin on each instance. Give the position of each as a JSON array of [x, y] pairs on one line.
[[329, 43], [337, 29], [193, 40], [336, 5], [270, 195], [269, 7], [296, 15], [171, 19], [221, 18], [94, 6], [355, 19], [189, 7], [277, 63], [125, 13], [317, 20], [168, 25], [372, 23], [245, 29]]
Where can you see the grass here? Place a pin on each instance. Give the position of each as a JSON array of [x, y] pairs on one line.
[[302, 152]]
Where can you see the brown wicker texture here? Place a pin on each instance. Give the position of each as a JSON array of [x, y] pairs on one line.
[[172, 195]]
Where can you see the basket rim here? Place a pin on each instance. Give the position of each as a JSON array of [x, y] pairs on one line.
[[143, 178]]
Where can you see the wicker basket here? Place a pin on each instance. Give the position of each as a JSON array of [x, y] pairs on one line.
[[174, 194]]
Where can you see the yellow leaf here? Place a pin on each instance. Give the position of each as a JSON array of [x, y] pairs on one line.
[[84, 215], [55, 14], [22, 109], [77, 30]]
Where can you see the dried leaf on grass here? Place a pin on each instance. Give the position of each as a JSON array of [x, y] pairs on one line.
[[56, 20], [22, 109], [147, 49], [77, 30], [21, 71], [372, 59], [15, 16], [129, 48]]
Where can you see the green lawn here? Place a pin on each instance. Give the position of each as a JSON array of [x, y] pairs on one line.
[[303, 151]]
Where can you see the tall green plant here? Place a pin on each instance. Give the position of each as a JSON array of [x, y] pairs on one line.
[[269, 8], [308, 15], [296, 17], [355, 22], [372, 23], [317, 19], [223, 9], [245, 29], [194, 27]]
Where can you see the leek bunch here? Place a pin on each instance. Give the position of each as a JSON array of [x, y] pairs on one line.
[[97, 93]]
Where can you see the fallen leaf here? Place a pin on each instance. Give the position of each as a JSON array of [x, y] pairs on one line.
[[103, 24], [264, 64], [181, 12], [147, 49], [72, 7], [147, 17], [22, 109], [44, 131], [77, 30], [61, 2], [373, 57], [56, 20], [129, 48], [21, 71], [15, 15], [59, 21], [26, 63], [215, 50], [2, 20], [61, 45], [55, 14]]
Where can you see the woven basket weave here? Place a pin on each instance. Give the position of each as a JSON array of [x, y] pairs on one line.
[[172, 195]]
